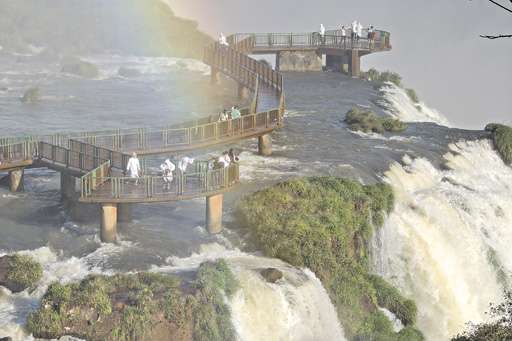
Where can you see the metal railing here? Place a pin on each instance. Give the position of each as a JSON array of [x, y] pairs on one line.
[[95, 178], [154, 140], [249, 42], [117, 159], [18, 152], [149, 188], [67, 158], [244, 69]]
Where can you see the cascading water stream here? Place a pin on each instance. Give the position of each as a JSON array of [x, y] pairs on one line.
[[447, 242]]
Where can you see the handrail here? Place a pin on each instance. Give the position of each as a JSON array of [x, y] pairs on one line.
[[95, 178], [147, 188], [118, 160], [67, 158], [22, 151]]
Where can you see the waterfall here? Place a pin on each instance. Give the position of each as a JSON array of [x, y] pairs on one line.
[[447, 242]]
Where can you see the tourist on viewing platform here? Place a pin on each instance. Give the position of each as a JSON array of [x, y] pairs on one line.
[[224, 116], [322, 33], [223, 40], [167, 169], [184, 163], [359, 31], [343, 36], [371, 36], [224, 160], [235, 113], [232, 156], [133, 168], [354, 31]]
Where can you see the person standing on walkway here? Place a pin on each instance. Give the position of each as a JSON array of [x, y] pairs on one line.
[[167, 169], [371, 34], [354, 31], [223, 40], [322, 34], [359, 31], [343, 36], [133, 168]]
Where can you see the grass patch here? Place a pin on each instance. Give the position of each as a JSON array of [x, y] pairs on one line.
[[129, 307], [368, 122], [502, 138], [326, 224], [23, 272]]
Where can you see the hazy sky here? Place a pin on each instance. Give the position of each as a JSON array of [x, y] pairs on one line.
[[436, 47]]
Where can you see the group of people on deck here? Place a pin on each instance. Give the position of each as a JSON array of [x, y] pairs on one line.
[[168, 168], [356, 32], [232, 114]]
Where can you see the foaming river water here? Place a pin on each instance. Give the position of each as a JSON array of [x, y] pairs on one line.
[[314, 141]]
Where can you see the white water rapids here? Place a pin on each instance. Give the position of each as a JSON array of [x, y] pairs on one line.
[[447, 242]]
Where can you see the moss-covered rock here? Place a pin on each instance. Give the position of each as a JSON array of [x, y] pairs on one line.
[[378, 77], [19, 272], [32, 95], [326, 224], [144, 306], [502, 138], [412, 95], [368, 122]]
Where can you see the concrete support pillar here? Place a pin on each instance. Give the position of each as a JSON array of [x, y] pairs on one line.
[[355, 64], [265, 145], [243, 92], [278, 61], [124, 213], [108, 233], [67, 186], [214, 213], [16, 180]]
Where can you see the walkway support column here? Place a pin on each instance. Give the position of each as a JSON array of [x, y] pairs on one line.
[[108, 233], [16, 180], [265, 145], [278, 61], [214, 213], [67, 186], [124, 213], [355, 64]]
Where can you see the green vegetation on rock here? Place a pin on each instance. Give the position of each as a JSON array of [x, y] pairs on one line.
[[497, 330], [144, 306], [32, 95], [412, 95], [19, 272], [374, 75], [502, 138], [368, 122], [326, 224]]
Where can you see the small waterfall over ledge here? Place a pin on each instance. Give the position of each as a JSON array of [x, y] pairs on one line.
[[447, 242]]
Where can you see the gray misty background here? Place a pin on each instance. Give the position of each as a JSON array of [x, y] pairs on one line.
[[436, 47]]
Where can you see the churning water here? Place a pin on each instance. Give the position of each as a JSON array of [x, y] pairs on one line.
[[444, 245]]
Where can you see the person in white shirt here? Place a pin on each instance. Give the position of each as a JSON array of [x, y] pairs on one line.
[[184, 163], [322, 33], [167, 168], [224, 160], [354, 30], [133, 168], [223, 40], [343, 35], [359, 31]]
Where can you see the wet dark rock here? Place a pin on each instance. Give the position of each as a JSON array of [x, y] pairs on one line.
[[80, 68], [271, 275], [8, 338], [128, 73]]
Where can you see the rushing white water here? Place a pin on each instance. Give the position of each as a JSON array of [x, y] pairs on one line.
[[296, 308], [447, 242], [399, 105]]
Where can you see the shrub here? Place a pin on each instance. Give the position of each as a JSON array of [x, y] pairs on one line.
[[383, 77], [23, 272], [412, 95], [326, 224], [127, 307], [388, 297], [368, 122], [502, 138]]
